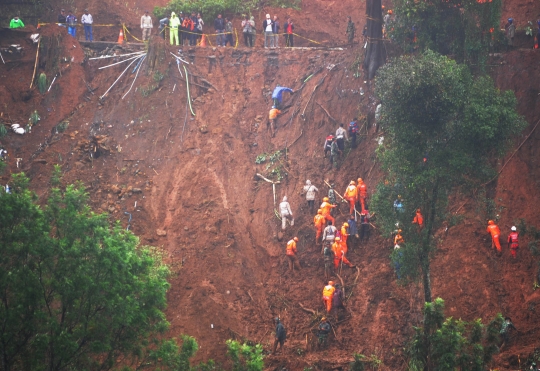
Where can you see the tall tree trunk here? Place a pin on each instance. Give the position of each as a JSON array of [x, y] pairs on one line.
[[375, 53]]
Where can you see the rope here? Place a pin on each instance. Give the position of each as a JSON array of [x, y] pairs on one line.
[[236, 34], [187, 86], [126, 31], [78, 24]]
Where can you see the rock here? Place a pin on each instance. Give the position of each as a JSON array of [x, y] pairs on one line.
[[104, 206], [136, 190], [203, 129], [186, 228], [161, 232], [112, 209], [115, 189], [259, 118]]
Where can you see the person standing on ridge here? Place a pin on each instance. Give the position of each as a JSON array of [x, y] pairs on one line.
[[87, 22], [291, 254], [62, 18], [277, 95], [506, 326], [327, 295], [335, 152], [351, 29], [147, 25], [350, 195], [16, 22], [174, 23], [275, 31], [329, 234], [326, 207], [281, 336], [219, 26], [398, 204], [513, 241], [319, 221], [510, 28], [163, 23], [199, 24], [228, 32], [339, 254], [71, 21], [495, 232], [364, 225], [323, 332], [288, 28], [309, 190], [286, 213], [268, 26], [247, 31], [272, 117]]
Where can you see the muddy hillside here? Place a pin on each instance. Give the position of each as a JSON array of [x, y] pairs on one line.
[[173, 151]]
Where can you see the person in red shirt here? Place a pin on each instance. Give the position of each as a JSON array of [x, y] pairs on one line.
[[288, 27], [419, 220], [495, 232], [513, 241]]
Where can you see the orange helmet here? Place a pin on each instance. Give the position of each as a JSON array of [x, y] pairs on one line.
[[337, 239], [326, 199], [383, 7], [360, 180], [296, 239], [319, 211], [345, 224], [390, 11], [352, 182], [491, 222], [331, 283]]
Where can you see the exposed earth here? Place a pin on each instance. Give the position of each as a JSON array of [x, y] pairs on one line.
[[189, 182]]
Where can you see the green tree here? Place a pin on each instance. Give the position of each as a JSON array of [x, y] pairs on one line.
[[450, 344], [464, 29], [245, 357], [75, 293], [433, 109]]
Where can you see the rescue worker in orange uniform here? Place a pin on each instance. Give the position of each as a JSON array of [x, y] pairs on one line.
[[345, 234], [361, 190], [513, 241], [398, 239], [495, 233], [327, 295], [326, 207], [272, 116], [351, 196], [339, 256], [418, 219], [319, 220], [291, 254]]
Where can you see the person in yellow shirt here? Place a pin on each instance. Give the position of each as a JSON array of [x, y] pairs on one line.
[[174, 23]]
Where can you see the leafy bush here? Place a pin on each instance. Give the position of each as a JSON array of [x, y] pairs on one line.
[[42, 83], [245, 357], [3, 130]]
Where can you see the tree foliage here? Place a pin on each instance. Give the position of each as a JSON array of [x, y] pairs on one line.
[[444, 131], [449, 344], [464, 29], [245, 357], [75, 293]]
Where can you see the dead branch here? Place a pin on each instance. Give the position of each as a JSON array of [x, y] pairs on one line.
[[302, 132], [342, 283], [308, 310], [327, 114]]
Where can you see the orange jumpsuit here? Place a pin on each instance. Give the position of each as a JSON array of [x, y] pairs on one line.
[[291, 255], [418, 219], [398, 239], [362, 194], [273, 114], [326, 207], [495, 233], [319, 221], [351, 196], [338, 255], [327, 294], [344, 235]]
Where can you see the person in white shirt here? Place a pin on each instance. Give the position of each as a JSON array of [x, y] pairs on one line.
[[309, 190], [87, 21], [146, 26], [268, 29], [341, 135], [286, 213]]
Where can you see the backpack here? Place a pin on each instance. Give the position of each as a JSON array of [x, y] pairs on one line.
[[353, 127]]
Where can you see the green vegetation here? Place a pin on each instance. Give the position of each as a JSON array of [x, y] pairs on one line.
[[42, 83], [3, 130], [361, 361], [245, 357], [275, 167], [457, 28], [433, 109], [209, 9], [450, 344]]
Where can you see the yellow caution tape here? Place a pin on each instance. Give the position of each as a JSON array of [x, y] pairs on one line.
[[79, 24], [126, 31]]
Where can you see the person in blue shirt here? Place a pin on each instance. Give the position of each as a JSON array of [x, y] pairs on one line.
[[277, 95]]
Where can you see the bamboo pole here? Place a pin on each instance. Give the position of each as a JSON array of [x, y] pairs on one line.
[[35, 64]]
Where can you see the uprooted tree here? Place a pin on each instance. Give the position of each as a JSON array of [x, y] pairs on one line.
[[375, 52], [444, 131]]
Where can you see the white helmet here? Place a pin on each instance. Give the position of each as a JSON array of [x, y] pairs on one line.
[[284, 198], [513, 228], [308, 182]]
